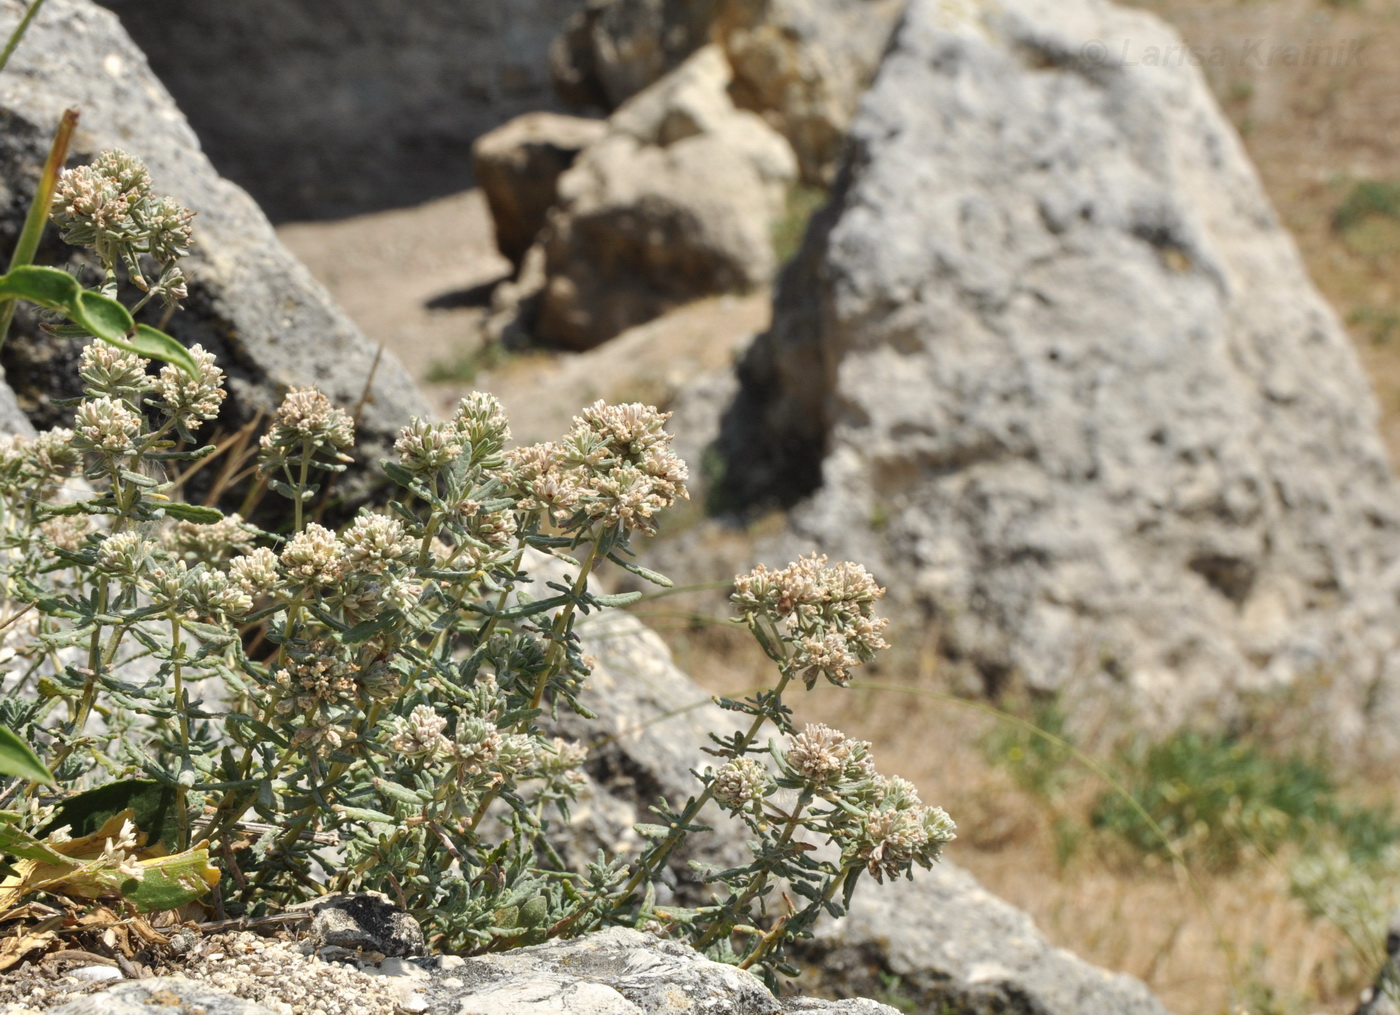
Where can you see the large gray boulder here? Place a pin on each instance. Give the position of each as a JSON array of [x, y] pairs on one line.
[[326, 108], [955, 947], [251, 303], [1052, 367]]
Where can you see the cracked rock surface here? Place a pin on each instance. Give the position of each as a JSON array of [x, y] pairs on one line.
[[1050, 365]]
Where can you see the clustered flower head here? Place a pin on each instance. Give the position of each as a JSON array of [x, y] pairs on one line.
[[373, 544], [821, 757], [477, 429], [107, 426], [66, 532], [825, 615], [424, 447], [742, 783], [314, 556], [318, 677], [116, 373], [188, 399], [494, 529], [119, 852], [308, 425], [109, 206], [480, 422], [560, 763], [255, 572], [307, 415], [418, 734], [36, 467], [215, 594], [615, 468], [898, 830], [125, 555], [54, 453]]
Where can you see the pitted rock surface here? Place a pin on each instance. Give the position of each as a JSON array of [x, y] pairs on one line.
[[366, 921], [613, 972], [1050, 365]]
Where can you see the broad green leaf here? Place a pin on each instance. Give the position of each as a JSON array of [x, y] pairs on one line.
[[158, 345], [18, 758], [48, 287], [153, 806], [168, 882], [97, 314], [104, 317]]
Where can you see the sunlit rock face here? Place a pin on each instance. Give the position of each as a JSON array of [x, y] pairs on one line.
[[1050, 364]]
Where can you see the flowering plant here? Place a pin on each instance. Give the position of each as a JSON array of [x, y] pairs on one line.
[[272, 715]]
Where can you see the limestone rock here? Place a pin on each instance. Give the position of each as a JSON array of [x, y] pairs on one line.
[[366, 921], [328, 108], [12, 418], [518, 166], [612, 49], [804, 64], [801, 64], [677, 202], [956, 947], [251, 303], [615, 972], [1052, 367], [161, 995]]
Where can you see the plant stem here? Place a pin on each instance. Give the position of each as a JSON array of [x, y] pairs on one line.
[[561, 625], [306, 452], [650, 864], [182, 817], [779, 929], [558, 632], [725, 925], [28, 243], [18, 33]]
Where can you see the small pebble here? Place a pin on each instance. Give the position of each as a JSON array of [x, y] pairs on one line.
[[92, 974]]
